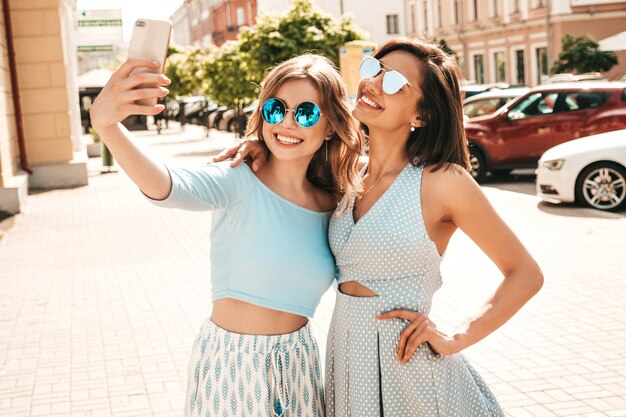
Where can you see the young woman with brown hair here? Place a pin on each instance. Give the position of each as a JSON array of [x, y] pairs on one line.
[[270, 260], [384, 355]]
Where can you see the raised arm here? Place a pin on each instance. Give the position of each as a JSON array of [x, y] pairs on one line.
[[116, 102]]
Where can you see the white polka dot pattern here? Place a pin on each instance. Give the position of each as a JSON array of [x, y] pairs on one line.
[[389, 251]]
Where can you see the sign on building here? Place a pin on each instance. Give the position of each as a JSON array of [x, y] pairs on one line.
[[99, 30]]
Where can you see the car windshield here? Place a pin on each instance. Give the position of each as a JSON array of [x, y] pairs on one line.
[[485, 106], [534, 105]]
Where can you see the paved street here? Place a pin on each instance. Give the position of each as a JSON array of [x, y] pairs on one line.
[[101, 296]]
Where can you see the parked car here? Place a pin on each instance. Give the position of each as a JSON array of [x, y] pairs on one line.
[[520, 132], [214, 118], [589, 170], [487, 103], [568, 78], [231, 123]]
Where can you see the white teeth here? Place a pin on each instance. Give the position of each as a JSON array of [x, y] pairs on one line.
[[287, 140], [370, 102]]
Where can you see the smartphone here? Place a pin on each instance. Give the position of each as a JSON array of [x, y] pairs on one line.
[[150, 40]]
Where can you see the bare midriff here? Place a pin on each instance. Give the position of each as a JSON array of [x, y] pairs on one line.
[[355, 289], [245, 318]]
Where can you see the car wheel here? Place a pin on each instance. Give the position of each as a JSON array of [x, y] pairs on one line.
[[602, 186], [478, 164]]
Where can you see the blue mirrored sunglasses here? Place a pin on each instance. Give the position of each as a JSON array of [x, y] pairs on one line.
[[393, 81], [306, 114]]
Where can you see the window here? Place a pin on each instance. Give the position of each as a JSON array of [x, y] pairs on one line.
[[392, 24], [500, 62], [584, 100], [542, 64], [520, 67], [496, 7], [240, 17], [425, 9], [438, 13], [412, 17], [484, 107], [479, 69], [534, 105], [515, 6], [456, 12], [475, 2]]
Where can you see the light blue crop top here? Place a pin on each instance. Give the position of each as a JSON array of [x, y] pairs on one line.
[[265, 249]]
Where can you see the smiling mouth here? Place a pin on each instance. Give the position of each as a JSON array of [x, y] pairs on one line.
[[288, 140], [369, 103]]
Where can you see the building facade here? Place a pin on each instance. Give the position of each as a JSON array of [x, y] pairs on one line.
[[39, 116], [211, 22], [514, 41], [382, 20]]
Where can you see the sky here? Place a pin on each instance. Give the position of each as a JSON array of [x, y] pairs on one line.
[[134, 9]]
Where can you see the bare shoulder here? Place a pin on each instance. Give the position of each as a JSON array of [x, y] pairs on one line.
[[449, 175]]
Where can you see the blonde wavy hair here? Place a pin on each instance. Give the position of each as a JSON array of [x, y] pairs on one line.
[[337, 175]]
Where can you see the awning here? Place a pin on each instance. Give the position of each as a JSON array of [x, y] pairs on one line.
[[614, 43], [96, 78]]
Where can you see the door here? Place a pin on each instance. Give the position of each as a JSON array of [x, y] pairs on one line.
[[575, 115], [526, 130]]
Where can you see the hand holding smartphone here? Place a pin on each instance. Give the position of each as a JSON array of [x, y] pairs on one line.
[[150, 40]]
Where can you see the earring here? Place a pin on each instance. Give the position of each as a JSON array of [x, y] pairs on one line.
[[326, 157], [412, 127]]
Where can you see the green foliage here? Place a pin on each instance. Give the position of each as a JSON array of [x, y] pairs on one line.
[[231, 74], [303, 28], [580, 54], [445, 48], [95, 135], [228, 77], [185, 69]]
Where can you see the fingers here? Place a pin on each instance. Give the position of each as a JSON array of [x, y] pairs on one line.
[[145, 78], [228, 153], [400, 314], [406, 334], [143, 93], [419, 336], [259, 159], [146, 110], [244, 150], [128, 66]]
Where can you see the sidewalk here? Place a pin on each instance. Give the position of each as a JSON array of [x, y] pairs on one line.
[[102, 294]]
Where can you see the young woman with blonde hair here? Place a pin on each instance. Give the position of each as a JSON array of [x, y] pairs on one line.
[[385, 357], [270, 259]]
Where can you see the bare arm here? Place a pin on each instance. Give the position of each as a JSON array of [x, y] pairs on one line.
[[471, 212], [115, 102], [462, 202]]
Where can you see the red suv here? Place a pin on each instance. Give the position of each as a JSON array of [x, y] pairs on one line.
[[519, 133]]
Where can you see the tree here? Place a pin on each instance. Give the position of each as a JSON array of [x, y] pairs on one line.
[[184, 67], [581, 54], [228, 78], [303, 28], [445, 48]]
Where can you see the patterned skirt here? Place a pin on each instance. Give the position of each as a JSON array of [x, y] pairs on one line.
[[232, 374]]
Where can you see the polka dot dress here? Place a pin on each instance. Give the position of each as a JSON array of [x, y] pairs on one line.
[[389, 251]]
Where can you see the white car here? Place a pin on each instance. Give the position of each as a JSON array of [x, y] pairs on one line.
[[589, 170]]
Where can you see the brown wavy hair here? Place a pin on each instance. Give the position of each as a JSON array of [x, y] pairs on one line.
[[441, 141], [337, 175]]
